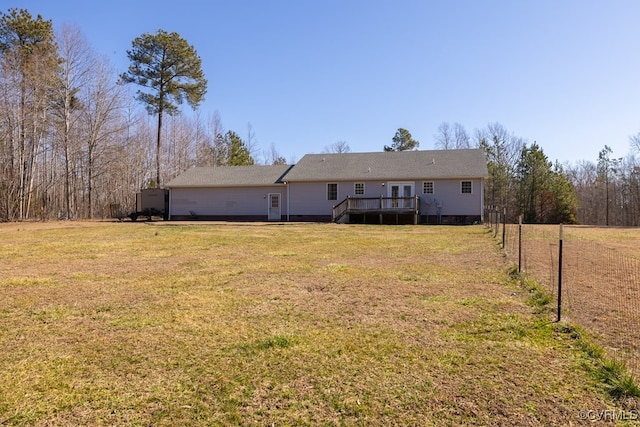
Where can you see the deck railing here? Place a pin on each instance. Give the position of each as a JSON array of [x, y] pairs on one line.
[[373, 205]]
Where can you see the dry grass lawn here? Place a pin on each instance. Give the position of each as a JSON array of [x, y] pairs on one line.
[[275, 324]]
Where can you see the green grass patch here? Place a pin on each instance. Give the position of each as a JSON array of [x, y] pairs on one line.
[[269, 343], [538, 298], [26, 281], [609, 371]]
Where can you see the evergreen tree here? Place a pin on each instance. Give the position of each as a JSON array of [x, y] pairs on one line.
[[545, 194], [532, 173], [171, 70], [237, 152], [565, 198], [402, 141]]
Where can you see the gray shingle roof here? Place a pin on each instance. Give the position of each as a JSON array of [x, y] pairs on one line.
[[230, 176], [427, 164], [403, 165]]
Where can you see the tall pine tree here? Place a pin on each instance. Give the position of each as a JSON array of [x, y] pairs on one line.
[[171, 71]]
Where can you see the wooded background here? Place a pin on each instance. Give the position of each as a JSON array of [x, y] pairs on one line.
[[73, 141]]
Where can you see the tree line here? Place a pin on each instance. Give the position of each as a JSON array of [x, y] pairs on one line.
[[522, 179], [73, 141], [524, 182]]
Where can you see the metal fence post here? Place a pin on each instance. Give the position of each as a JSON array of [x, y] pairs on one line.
[[504, 227], [520, 244], [560, 274]]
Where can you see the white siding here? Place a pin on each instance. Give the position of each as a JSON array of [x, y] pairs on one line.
[[448, 194], [225, 201], [311, 198]]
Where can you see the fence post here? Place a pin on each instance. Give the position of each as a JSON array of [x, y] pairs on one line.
[[491, 217], [560, 274], [504, 227], [520, 244]]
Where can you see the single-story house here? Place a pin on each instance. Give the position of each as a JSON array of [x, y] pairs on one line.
[[431, 186]]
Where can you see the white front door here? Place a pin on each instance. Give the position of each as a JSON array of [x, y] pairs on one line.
[[400, 189], [274, 207]]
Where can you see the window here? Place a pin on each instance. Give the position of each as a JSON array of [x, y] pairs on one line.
[[332, 191], [465, 187], [359, 188], [427, 187]]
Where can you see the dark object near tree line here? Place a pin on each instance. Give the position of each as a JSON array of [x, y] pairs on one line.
[[150, 202]]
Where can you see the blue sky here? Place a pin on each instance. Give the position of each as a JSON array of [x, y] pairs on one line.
[[306, 74]]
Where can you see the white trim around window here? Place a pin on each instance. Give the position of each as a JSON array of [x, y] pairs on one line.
[[358, 188], [332, 191], [427, 187], [466, 187]]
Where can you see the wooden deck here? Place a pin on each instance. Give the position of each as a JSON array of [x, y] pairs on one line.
[[382, 206]]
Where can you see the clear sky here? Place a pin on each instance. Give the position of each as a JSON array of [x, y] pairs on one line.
[[309, 73]]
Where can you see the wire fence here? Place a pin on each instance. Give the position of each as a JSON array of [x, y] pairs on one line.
[[598, 278]]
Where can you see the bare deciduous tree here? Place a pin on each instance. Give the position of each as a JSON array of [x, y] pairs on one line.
[[452, 137], [337, 147], [180, 149], [634, 141], [273, 156], [28, 55], [503, 151], [76, 69], [103, 105], [444, 137], [252, 142], [460, 136]]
